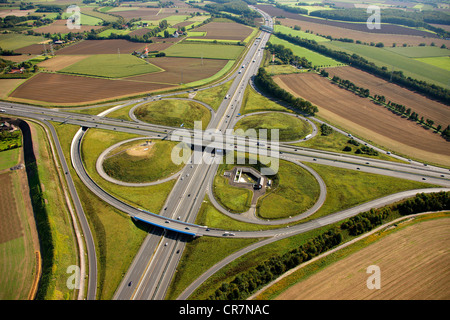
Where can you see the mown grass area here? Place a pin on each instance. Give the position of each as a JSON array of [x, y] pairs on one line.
[[214, 96], [234, 199], [111, 66], [299, 33], [297, 190], [255, 102], [204, 50], [440, 62], [9, 158], [116, 237], [13, 41], [174, 113], [290, 127], [315, 58], [134, 162], [348, 188], [394, 61]]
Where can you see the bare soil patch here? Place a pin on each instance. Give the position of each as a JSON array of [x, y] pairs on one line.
[[414, 264], [425, 107], [112, 46], [224, 31], [60, 62], [70, 90], [366, 119]]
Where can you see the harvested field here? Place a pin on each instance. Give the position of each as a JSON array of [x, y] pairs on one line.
[[59, 26], [34, 49], [363, 36], [427, 108], [224, 31], [143, 13], [179, 70], [60, 62], [385, 29], [101, 47], [10, 226], [72, 90], [365, 119], [414, 265]]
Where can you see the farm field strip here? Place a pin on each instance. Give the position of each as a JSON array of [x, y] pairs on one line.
[[315, 58], [386, 28], [207, 51], [425, 107], [364, 37], [393, 61], [365, 119], [413, 262]]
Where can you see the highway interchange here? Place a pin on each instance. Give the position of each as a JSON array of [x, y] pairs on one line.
[[154, 265]]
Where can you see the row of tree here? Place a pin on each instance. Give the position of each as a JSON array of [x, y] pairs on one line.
[[286, 55], [397, 108], [347, 84], [429, 90], [265, 82], [247, 282]]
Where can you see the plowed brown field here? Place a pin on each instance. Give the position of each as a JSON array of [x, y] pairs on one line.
[[365, 119], [112, 46], [427, 108], [414, 265], [224, 31], [72, 90], [179, 70]]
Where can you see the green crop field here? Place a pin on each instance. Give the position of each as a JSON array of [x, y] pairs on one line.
[[174, 113], [290, 128], [420, 52], [382, 57], [440, 62], [13, 41], [299, 33], [207, 51], [111, 66], [315, 58], [136, 162]]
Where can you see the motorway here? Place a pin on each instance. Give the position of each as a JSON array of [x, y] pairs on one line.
[[154, 266]]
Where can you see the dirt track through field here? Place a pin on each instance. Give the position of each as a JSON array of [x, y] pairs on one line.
[[366, 119], [414, 264]]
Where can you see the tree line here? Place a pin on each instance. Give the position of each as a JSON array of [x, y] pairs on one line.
[[415, 19], [286, 55], [430, 90], [247, 282], [265, 82]]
